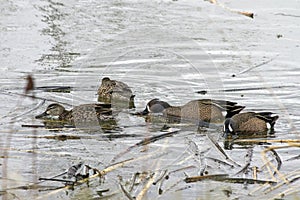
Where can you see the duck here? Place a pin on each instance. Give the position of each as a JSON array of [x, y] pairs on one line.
[[206, 110], [79, 114], [249, 123], [112, 91]]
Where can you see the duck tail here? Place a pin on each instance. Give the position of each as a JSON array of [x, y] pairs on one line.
[[267, 117], [233, 110], [132, 97], [274, 119], [230, 107]]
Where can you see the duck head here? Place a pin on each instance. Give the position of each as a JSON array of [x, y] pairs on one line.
[[53, 111], [229, 125], [155, 106]]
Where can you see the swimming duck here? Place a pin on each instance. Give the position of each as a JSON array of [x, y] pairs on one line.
[[249, 123], [207, 110], [81, 114], [112, 91]]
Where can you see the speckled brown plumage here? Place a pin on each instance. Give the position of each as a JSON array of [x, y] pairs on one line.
[[250, 123], [115, 90], [206, 110], [196, 110], [79, 114]]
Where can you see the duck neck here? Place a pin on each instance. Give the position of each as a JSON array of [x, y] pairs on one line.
[[65, 115]]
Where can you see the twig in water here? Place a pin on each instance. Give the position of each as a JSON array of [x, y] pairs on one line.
[[210, 177], [194, 150], [161, 177], [270, 165], [133, 181], [225, 178], [293, 158], [175, 184], [154, 139], [180, 169], [220, 161], [254, 169], [222, 151], [294, 176], [127, 194], [277, 158], [146, 187], [58, 180], [256, 66], [30, 110], [34, 97], [248, 158], [145, 142]]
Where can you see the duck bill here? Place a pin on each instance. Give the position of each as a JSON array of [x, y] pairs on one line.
[[144, 112], [42, 116], [227, 134]]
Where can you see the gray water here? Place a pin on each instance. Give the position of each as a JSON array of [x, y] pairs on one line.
[[161, 49]]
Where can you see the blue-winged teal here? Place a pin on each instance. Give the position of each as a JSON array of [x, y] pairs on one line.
[[79, 114], [112, 91], [249, 123], [207, 110]]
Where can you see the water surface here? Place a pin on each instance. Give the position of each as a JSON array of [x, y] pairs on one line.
[[161, 49]]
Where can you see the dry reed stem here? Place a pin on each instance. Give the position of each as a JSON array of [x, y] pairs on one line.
[[126, 193], [280, 184], [267, 141], [287, 192], [267, 188], [270, 165], [247, 14], [153, 177], [146, 188], [210, 177], [99, 173]]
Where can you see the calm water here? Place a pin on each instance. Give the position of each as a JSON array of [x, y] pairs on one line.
[[161, 49]]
